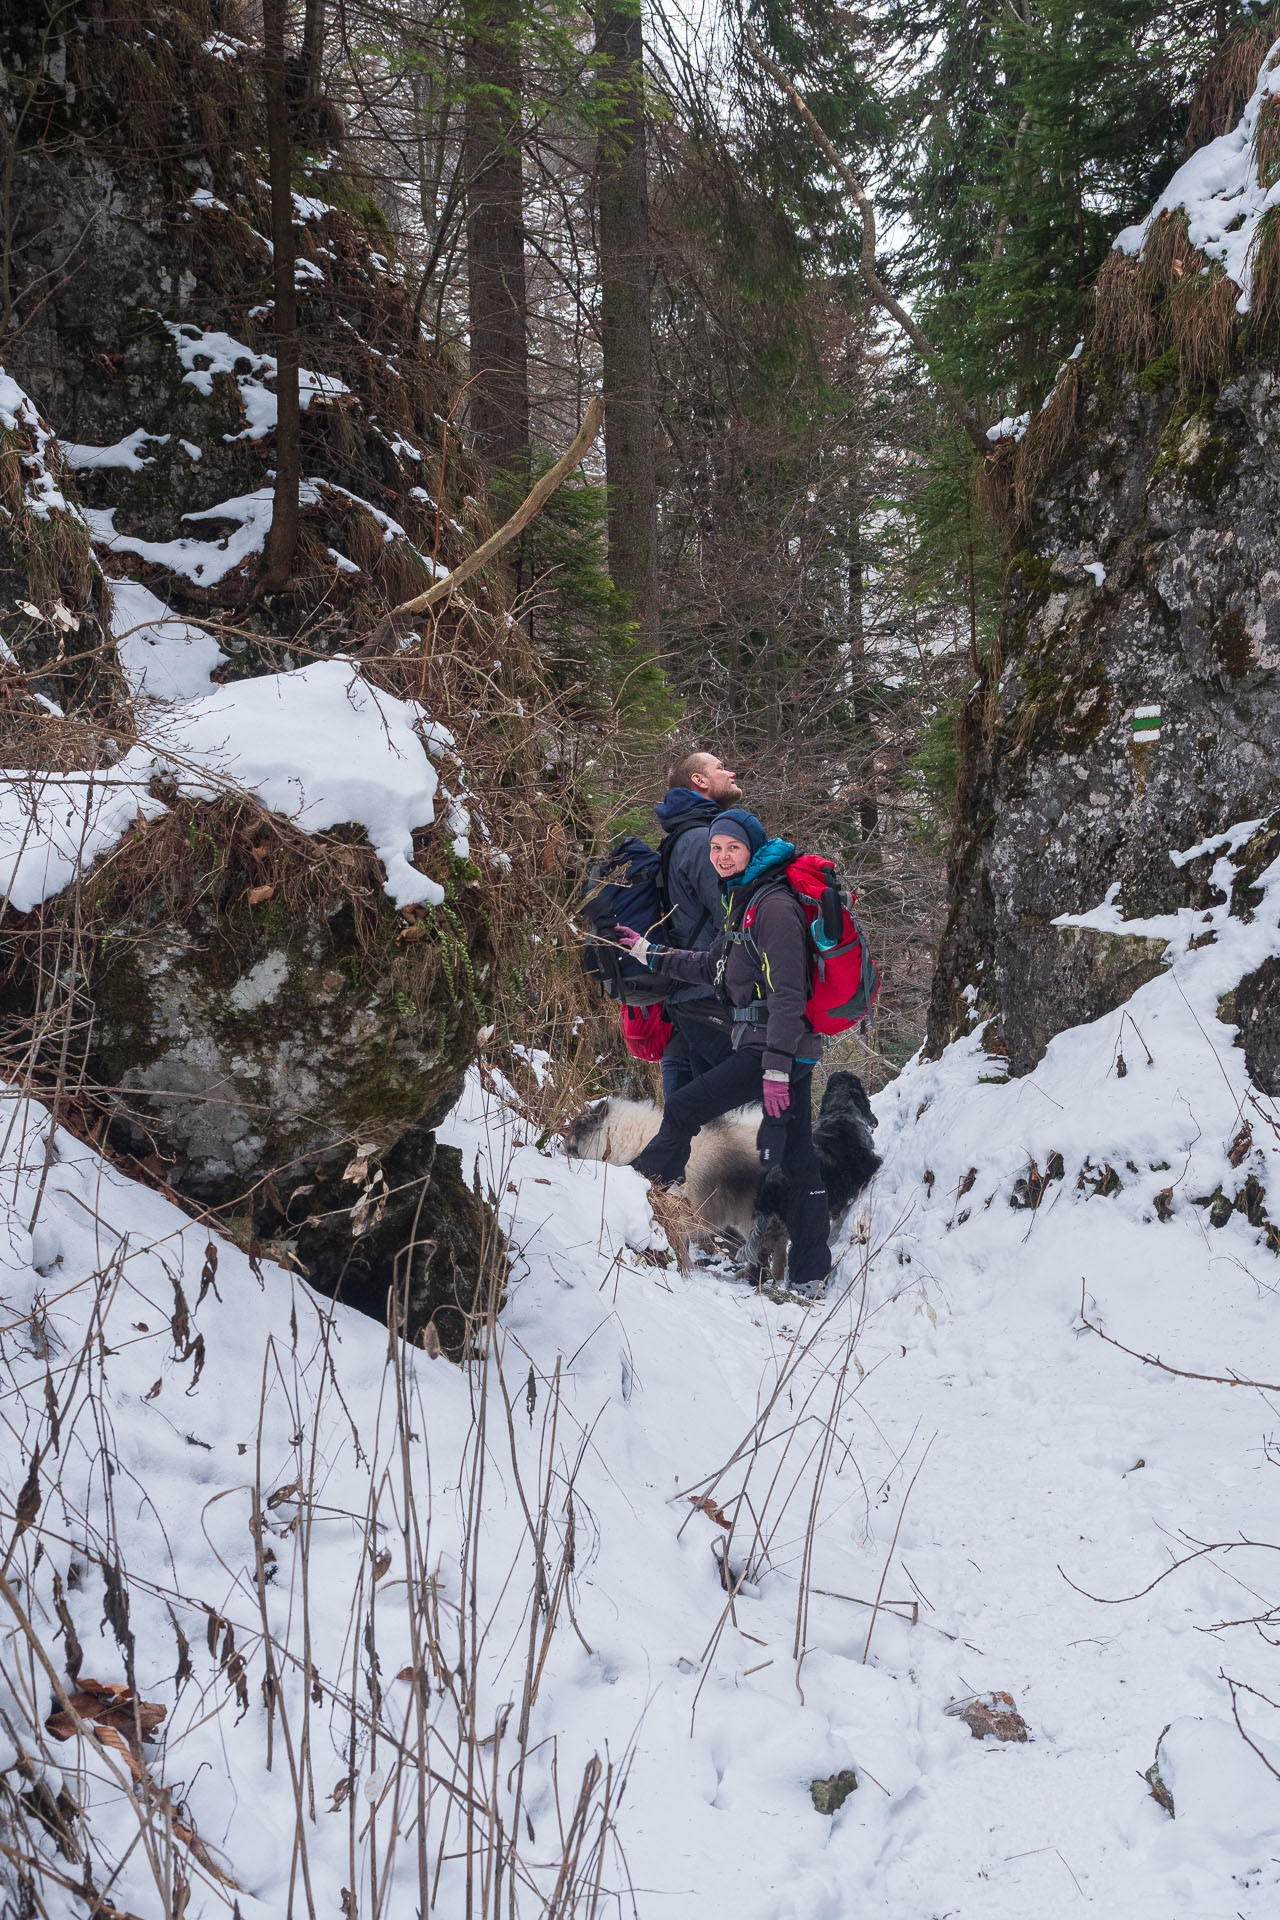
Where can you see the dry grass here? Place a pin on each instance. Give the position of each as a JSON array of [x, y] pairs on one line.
[[1047, 439], [1264, 309], [1008, 480], [1127, 327], [1229, 80], [1202, 309], [1169, 295], [464, 1759], [1266, 142]]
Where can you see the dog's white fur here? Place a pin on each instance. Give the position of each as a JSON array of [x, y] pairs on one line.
[[723, 1173]]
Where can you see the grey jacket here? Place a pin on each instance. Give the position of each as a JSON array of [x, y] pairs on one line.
[[697, 909], [771, 966]]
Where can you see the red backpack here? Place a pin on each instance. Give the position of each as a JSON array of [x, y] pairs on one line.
[[845, 979]]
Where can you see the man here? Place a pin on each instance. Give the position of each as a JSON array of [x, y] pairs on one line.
[[698, 786]]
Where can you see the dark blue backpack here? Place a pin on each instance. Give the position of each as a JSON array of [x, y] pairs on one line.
[[625, 888]]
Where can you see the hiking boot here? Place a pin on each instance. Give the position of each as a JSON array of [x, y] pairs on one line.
[[808, 1289]]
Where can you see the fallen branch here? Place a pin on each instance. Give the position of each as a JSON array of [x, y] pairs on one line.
[[1123, 1599], [1235, 1713], [1181, 1373], [524, 513], [867, 268]]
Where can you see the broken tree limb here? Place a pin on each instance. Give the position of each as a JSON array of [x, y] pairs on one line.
[[520, 519], [867, 267]]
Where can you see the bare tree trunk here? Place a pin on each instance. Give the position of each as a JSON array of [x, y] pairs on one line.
[[626, 280], [868, 811], [313, 31], [282, 539], [497, 292]]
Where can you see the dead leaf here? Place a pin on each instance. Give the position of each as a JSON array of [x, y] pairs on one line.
[[1240, 1145], [257, 895], [705, 1504], [431, 1341], [29, 1498], [152, 1391], [992, 1713], [382, 1564], [117, 1716]]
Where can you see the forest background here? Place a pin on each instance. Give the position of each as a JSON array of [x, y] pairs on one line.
[[788, 548]]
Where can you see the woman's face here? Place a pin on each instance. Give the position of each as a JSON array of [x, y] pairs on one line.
[[729, 856]]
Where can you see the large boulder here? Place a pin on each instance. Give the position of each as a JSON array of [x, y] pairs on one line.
[[1148, 581]]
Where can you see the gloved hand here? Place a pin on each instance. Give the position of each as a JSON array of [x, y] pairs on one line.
[[776, 1096], [637, 943]]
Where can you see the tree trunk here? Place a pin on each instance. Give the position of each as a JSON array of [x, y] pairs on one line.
[[282, 539], [626, 279], [868, 811], [498, 395], [313, 31]]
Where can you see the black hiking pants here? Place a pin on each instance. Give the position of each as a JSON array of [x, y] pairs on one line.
[[696, 1045], [737, 1082]]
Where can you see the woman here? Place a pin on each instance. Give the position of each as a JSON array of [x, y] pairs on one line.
[[763, 972]]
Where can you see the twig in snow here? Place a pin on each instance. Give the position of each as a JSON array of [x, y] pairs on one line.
[[1154, 1360], [875, 1612], [1243, 1687]]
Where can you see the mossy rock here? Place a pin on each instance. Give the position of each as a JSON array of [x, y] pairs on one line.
[[286, 1061], [829, 1795]]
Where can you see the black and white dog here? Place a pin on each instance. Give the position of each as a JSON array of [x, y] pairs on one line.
[[722, 1182]]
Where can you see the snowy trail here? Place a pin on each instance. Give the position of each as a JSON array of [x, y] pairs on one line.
[[970, 1367]]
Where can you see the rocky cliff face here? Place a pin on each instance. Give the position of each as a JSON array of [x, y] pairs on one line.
[[249, 1015], [1132, 708]]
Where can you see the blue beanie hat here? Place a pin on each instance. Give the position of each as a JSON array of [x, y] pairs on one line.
[[738, 824]]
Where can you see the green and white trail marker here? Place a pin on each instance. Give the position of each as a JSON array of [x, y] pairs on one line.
[[1146, 726]]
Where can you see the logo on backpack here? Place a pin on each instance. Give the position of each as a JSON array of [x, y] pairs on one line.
[[844, 980]]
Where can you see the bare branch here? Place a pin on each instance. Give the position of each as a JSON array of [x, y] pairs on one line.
[[520, 519], [1154, 1360], [875, 286]]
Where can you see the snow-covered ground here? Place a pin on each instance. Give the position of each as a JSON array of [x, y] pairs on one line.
[[548, 1540]]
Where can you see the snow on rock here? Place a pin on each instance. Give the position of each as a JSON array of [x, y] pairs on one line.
[[1219, 189], [19, 413], [162, 656], [1012, 427], [55, 825], [319, 745], [206, 562], [129, 452], [204, 353]]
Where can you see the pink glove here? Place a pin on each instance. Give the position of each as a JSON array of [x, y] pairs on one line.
[[627, 936], [776, 1095]]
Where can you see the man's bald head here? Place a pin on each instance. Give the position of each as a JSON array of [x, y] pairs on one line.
[[705, 773]]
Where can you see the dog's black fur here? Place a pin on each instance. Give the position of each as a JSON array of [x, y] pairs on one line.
[[842, 1141]]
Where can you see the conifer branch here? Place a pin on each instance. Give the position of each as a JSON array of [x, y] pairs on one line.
[[867, 268]]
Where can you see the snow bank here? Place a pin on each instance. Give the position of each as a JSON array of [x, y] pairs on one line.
[[162, 656], [319, 745], [944, 1430], [1221, 193]]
